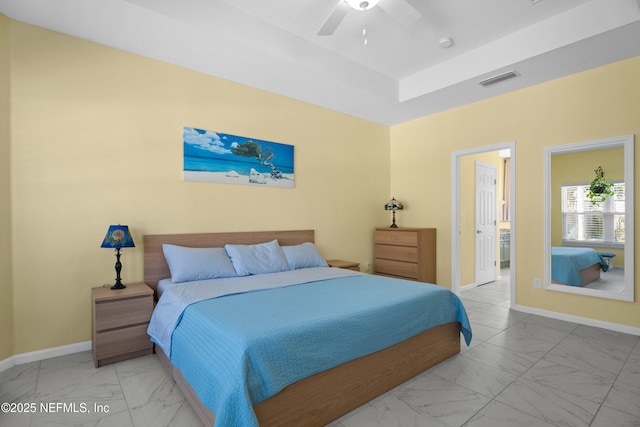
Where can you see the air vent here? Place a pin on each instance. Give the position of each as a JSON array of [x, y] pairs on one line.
[[499, 78]]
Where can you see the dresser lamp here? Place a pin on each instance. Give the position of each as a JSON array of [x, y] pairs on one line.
[[393, 205], [118, 237]]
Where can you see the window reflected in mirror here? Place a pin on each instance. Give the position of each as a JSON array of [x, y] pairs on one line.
[[587, 223]]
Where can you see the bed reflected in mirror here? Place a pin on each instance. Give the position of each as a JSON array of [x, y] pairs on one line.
[[588, 197]]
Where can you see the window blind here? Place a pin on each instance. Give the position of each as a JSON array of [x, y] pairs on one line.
[[594, 224]]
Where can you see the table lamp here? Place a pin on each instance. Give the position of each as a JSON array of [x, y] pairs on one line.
[[393, 205], [118, 237]]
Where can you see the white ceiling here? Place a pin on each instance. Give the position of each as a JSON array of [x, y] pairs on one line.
[[401, 74]]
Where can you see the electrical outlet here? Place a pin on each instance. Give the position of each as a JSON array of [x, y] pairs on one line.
[[367, 266], [537, 283]]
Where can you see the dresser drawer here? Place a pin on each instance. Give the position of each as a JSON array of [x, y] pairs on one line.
[[122, 341], [123, 312], [396, 268], [398, 253], [397, 238]]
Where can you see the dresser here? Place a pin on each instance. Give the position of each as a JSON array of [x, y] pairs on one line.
[[120, 321], [406, 253]]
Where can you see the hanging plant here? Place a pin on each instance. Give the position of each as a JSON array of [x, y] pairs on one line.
[[599, 188]]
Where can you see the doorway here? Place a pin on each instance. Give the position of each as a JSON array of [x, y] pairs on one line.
[[464, 229]]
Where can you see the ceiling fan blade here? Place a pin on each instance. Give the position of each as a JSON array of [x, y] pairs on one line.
[[336, 17], [401, 10]]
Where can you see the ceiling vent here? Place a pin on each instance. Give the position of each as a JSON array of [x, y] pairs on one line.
[[499, 78]]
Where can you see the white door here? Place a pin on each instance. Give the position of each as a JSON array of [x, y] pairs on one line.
[[486, 226]]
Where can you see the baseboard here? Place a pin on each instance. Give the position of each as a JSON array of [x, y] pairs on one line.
[[468, 286], [632, 330], [7, 363], [47, 353]]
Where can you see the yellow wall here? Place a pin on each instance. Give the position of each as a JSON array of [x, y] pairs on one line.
[[97, 140], [578, 168], [6, 295], [598, 103]]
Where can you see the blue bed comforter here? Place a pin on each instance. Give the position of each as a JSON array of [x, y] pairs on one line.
[[241, 349], [566, 264]]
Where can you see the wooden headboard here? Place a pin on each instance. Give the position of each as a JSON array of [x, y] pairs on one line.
[[156, 268]]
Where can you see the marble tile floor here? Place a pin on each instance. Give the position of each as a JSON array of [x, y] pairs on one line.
[[521, 370]]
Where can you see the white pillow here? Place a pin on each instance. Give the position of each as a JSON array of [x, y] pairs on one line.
[[257, 259], [304, 255], [188, 264]]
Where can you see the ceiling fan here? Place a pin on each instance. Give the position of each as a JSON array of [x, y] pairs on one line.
[[401, 10]]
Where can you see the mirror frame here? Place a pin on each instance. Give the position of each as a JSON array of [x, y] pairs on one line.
[[626, 141]]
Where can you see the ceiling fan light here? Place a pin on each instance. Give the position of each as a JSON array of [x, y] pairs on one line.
[[361, 4]]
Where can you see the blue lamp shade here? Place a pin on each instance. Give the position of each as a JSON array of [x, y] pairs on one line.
[[117, 237]]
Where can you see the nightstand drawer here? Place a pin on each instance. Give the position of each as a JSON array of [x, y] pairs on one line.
[[123, 312], [122, 341]]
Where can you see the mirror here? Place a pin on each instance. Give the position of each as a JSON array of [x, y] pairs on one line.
[[588, 238]]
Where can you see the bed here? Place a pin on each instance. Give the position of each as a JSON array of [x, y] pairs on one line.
[[576, 266], [315, 395]]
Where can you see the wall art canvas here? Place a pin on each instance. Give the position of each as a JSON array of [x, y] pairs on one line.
[[217, 157]]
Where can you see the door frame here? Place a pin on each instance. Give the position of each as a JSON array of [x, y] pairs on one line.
[[455, 214]]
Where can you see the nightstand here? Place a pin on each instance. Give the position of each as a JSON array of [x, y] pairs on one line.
[[120, 318], [349, 265]]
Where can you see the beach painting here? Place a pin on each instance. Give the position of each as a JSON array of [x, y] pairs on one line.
[[230, 159]]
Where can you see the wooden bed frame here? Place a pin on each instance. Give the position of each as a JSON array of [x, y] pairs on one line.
[[321, 398], [589, 274]]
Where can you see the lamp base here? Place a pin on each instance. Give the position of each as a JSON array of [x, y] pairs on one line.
[[118, 266], [393, 221]]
